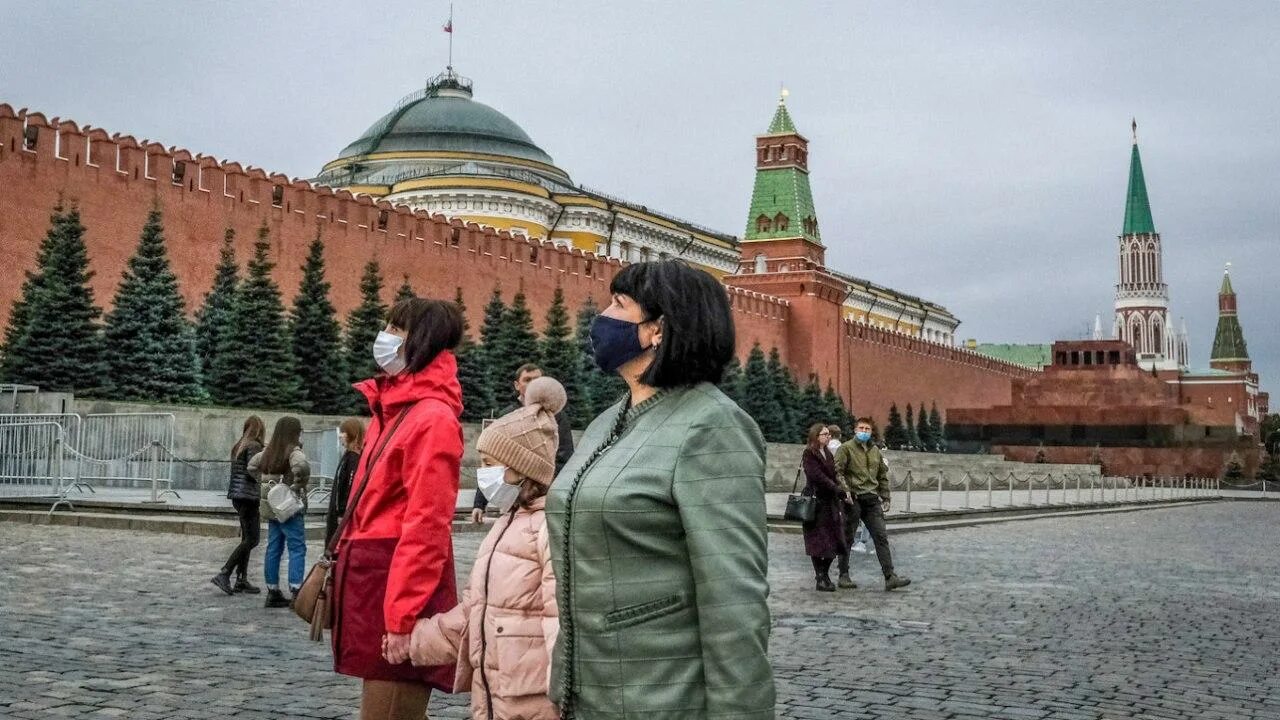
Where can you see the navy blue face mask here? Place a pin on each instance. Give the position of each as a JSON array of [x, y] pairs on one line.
[[614, 342]]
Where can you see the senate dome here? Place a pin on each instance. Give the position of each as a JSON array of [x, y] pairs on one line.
[[446, 119], [440, 151]]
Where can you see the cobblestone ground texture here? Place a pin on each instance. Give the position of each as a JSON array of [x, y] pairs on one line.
[[1168, 613]]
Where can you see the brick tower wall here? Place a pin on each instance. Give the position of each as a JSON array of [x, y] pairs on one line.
[[114, 180]]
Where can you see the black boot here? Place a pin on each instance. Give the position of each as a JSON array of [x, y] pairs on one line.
[[244, 586], [223, 581], [276, 599], [825, 584], [893, 582]]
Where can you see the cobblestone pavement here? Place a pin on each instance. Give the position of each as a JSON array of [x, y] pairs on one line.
[[1167, 613]]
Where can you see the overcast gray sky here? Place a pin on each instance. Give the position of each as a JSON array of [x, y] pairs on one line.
[[974, 153]]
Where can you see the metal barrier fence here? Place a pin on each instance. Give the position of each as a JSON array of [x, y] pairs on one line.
[[31, 460], [987, 490]]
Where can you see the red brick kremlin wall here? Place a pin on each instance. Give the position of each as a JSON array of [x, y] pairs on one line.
[[115, 180]]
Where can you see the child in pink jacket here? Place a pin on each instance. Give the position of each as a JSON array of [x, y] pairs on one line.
[[502, 634]]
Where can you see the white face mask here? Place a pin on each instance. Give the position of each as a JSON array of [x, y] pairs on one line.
[[386, 351], [491, 481]]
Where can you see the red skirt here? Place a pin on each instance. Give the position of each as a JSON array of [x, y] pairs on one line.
[[360, 585]]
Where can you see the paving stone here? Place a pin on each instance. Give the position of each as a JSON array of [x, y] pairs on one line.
[[1165, 613]]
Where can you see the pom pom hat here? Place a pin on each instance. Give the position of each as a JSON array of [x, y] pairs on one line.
[[526, 439]]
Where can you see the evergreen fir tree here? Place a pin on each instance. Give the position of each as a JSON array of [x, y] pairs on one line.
[[913, 441], [517, 343], [213, 320], [149, 347], [731, 381], [814, 408], [477, 396], [53, 340], [560, 356], [760, 398], [895, 436], [495, 312], [1235, 469], [258, 361], [406, 290], [788, 394], [924, 440], [317, 341], [936, 435], [838, 411], [363, 325]]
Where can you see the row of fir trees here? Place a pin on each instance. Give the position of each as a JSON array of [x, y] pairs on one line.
[[246, 349], [921, 430]]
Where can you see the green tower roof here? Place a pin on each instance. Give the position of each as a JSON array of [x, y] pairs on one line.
[[781, 121], [1137, 209], [1228, 340], [781, 201]]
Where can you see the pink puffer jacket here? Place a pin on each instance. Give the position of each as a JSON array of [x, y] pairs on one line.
[[511, 596]]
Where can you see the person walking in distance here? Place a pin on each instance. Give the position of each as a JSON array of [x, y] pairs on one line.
[[526, 374], [243, 492], [351, 437], [866, 479], [283, 462], [395, 549], [824, 537], [658, 524], [835, 442], [500, 636]]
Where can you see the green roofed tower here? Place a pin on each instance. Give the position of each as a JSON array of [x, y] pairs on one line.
[[781, 202], [1229, 350], [1142, 297]]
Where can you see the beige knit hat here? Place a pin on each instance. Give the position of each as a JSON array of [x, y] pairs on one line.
[[526, 440]]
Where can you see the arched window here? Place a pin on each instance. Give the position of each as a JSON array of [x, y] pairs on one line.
[[762, 264], [1136, 331], [1156, 336], [781, 221], [763, 224]]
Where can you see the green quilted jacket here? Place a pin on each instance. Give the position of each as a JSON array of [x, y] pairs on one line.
[[659, 546]]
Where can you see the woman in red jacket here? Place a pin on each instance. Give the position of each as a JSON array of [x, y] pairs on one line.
[[395, 555]]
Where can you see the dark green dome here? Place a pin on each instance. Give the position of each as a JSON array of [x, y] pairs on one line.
[[444, 118]]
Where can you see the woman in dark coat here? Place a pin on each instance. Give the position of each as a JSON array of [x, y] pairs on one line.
[[351, 435], [824, 537], [243, 492]]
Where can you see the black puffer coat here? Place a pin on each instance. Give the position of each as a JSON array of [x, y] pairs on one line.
[[241, 486]]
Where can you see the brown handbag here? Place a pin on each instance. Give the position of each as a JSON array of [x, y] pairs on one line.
[[314, 600]]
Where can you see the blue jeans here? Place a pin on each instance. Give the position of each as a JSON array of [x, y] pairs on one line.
[[293, 531]]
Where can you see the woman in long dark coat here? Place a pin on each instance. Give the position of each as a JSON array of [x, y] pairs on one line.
[[824, 537]]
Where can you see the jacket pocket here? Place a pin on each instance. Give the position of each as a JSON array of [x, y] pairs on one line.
[[645, 612]]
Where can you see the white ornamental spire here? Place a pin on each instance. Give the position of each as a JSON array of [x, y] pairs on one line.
[[1097, 326]]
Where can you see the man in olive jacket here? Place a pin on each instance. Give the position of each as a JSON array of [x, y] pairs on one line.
[[865, 477]]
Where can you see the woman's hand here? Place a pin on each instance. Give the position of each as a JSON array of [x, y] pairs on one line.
[[395, 648]]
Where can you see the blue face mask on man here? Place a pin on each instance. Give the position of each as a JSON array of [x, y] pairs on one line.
[[863, 436]]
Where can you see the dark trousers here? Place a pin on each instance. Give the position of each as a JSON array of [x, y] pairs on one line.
[[250, 530], [867, 508]]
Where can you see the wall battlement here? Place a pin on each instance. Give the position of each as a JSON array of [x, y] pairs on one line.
[[116, 179]]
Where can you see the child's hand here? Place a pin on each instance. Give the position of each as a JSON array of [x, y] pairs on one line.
[[418, 642]]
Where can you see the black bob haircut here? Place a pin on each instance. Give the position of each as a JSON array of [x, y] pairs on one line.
[[431, 327], [697, 325]]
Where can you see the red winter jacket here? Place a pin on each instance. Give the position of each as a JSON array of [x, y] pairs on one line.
[[413, 491]]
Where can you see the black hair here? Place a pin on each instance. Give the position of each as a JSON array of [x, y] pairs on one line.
[[697, 325], [431, 327]]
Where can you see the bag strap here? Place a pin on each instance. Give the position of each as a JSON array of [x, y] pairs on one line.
[[364, 481], [796, 484]]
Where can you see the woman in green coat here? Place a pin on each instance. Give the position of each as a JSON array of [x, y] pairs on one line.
[[657, 523]]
